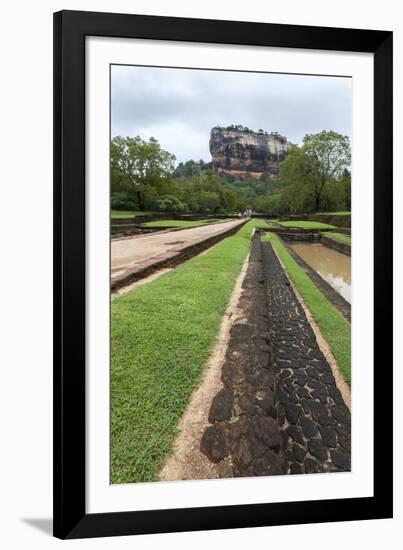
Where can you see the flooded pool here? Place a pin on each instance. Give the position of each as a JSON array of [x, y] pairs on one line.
[[331, 265]]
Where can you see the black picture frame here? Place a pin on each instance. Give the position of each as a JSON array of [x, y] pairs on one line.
[[70, 517]]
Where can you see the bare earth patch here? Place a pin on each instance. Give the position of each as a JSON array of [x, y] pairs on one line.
[[186, 461]]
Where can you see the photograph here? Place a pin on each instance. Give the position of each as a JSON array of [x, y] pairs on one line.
[[230, 274], [201, 275]]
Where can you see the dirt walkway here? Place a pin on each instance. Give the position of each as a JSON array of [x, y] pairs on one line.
[[132, 251], [143, 253], [186, 461]]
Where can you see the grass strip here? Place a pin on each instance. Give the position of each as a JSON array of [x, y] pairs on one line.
[[116, 214], [177, 223], [333, 326], [303, 224], [340, 213], [338, 237], [162, 334]]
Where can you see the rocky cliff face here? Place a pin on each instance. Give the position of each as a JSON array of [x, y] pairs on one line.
[[244, 153]]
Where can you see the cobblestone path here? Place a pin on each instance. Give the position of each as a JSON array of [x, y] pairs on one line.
[[314, 420]]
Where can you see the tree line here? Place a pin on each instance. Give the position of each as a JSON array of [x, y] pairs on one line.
[[313, 177]]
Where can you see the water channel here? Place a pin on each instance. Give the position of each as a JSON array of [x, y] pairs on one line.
[[333, 266]]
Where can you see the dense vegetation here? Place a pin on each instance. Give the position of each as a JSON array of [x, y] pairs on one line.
[[244, 129], [314, 177]]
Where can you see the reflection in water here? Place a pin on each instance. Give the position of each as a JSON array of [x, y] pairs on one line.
[[331, 265]]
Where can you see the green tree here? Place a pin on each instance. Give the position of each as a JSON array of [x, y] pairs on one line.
[[273, 204], [329, 154], [137, 164], [209, 201], [295, 183], [321, 160], [122, 200], [346, 186], [190, 168], [169, 203]]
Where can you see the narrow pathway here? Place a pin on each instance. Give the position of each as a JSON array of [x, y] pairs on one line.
[[244, 427], [314, 420], [280, 410]]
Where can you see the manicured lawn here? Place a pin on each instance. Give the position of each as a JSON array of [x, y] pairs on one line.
[[162, 335], [334, 327], [263, 224], [338, 237], [127, 214], [266, 224], [177, 223], [341, 213], [307, 224]]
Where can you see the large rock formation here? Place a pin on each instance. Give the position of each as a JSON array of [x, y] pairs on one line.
[[242, 153]]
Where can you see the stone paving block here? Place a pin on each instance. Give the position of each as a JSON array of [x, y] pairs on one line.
[[317, 417]]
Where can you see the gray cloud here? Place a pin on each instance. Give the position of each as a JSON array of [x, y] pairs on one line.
[[180, 106]]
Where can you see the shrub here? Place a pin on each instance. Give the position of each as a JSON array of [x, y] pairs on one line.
[[123, 200], [169, 203]]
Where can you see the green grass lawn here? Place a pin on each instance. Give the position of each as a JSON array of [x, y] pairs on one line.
[[307, 224], [334, 327], [116, 214], [177, 223], [338, 237], [162, 335], [266, 224], [263, 224], [340, 213]]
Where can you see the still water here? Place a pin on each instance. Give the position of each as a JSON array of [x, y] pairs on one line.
[[331, 265]]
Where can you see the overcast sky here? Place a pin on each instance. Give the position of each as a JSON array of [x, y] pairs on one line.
[[180, 106]]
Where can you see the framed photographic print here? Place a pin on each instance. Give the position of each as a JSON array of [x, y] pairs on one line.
[[223, 274]]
